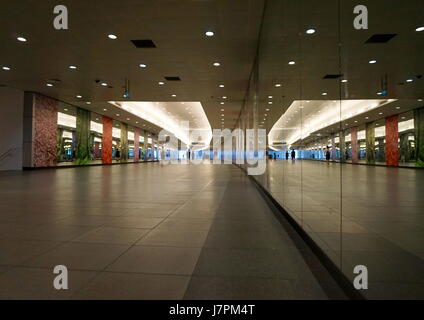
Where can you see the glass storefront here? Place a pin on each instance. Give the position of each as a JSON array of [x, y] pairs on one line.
[[337, 96]]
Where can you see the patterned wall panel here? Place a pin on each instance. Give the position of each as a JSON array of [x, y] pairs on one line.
[[419, 136], [354, 144], [107, 140], [44, 131], [124, 142], [392, 137], [83, 148], [370, 142], [136, 144]]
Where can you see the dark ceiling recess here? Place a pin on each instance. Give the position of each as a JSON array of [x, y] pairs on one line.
[[381, 38], [332, 76], [144, 43], [173, 78]]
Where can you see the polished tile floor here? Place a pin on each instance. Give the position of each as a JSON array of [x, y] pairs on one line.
[[360, 215], [150, 231]]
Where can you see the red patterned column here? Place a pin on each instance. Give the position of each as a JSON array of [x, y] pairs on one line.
[[44, 131], [392, 136], [136, 144], [354, 143], [107, 140]]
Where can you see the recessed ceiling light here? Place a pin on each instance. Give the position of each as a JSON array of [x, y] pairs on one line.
[[292, 63], [380, 113], [324, 93], [88, 102], [224, 97], [221, 86], [344, 80], [222, 110], [112, 36], [6, 68], [267, 109], [356, 121], [409, 80], [269, 97], [72, 67], [117, 114], [161, 83], [372, 61], [173, 95], [420, 100], [104, 84], [367, 118], [65, 109], [136, 122], [216, 64], [278, 85], [128, 119], [209, 33], [79, 97], [310, 31], [104, 109], [403, 117], [97, 119], [142, 65], [22, 39], [222, 102], [49, 84], [398, 108], [419, 29]]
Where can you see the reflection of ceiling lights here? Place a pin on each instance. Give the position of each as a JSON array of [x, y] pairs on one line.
[[317, 115]]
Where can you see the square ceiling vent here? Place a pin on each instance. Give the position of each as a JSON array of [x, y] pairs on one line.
[[332, 76], [381, 38], [143, 43], [173, 78]]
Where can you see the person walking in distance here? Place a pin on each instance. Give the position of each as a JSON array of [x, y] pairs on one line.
[[293, 154], [287, 155], [327, 154]]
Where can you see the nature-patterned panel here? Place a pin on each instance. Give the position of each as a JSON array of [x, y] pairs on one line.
[[44, 131], [392, 137], [354, 143], [107, 140], [136, 144], [82, 152], [419, 136], [124, 142], [370, 142]]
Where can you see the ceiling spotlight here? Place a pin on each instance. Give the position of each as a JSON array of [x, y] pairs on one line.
[[398, 108], [372, 61], [267, 109], [278, 85], [22, 39], [222, 110], [72, 67], [292, 63], [367, 118], [222, 102], [216, 64], [112, 36], [224, 97], [270, 102], [409, 80], [269, 97], [49, 84], [173, 95], [65, 109], [104, 84], [104, 109], [420, 100], [209, 33], [6, 68], [221, 86], [117, 114], [161, 83], [142, 65], [380, 113], [344, 80], [310, 31], [419, 29], [88, 102], [324, 93], [79, 97]]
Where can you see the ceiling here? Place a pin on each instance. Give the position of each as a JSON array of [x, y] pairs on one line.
[[177, 27]]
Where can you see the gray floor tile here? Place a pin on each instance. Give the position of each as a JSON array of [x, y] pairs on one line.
[[112, 235]]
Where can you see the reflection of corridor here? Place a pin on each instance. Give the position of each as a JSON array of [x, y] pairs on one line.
[[383, 218], [149, 231]]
